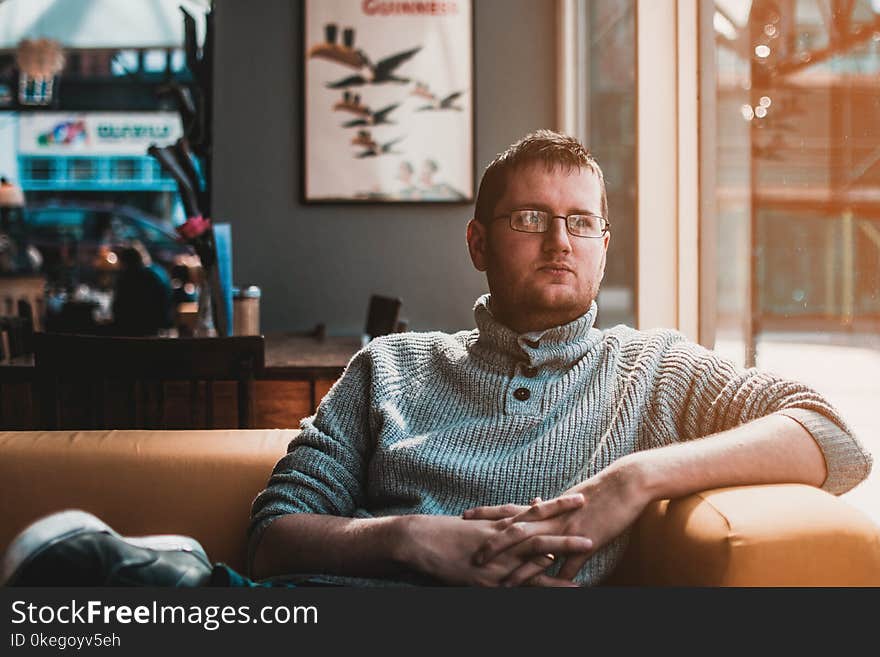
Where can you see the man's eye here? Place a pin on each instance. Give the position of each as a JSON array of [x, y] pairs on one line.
[[587, 223], [530, 221]]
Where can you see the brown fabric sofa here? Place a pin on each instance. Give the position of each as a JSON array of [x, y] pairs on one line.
[[201, 483]]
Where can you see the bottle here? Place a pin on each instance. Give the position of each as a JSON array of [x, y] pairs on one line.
[[246, 310]]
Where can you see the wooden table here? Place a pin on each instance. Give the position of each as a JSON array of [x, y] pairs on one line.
[[319, 362], [299, 370], [296, 357]]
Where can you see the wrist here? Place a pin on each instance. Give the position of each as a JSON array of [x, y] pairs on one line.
[[634, 475], [404, 552]]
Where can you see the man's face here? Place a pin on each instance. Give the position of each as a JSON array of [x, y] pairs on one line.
[[540, 280]]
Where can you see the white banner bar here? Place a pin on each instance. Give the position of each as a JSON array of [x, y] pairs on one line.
[[95, 133]]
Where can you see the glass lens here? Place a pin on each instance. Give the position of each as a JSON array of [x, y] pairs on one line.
[[529, 221], [586, 225]]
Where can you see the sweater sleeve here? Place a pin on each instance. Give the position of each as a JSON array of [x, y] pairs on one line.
[[699, 393], [323, 471]]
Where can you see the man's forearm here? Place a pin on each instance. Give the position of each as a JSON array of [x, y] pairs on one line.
[[772, 449], [309, 543]]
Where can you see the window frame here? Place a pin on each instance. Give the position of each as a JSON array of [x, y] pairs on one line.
[[675, 277]]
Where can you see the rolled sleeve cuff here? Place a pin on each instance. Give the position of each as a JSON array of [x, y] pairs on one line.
[[846, 460]]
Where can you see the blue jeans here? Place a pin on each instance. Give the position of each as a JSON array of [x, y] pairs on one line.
[[223, 575]]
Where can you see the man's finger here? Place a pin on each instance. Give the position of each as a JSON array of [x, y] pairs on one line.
[[512, 535], [531, 545], [493, 512], [528, 570], [572, 565], [542, 544], [551, 508]]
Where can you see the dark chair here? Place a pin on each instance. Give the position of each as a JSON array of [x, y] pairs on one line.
[[16, 398], [383, 315], [15, 336], [120, 383]]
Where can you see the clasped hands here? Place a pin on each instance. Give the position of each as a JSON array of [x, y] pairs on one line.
[[521, 542]]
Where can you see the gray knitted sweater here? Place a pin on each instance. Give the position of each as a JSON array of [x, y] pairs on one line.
[[433, 423]]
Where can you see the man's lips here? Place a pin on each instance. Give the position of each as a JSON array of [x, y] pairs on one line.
[[555, 268]]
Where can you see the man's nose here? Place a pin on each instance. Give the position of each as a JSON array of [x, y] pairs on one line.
[[557, 238]]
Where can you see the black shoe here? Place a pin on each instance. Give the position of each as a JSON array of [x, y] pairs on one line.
[[74, 548]]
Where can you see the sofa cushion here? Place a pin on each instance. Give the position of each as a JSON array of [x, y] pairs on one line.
[[196, 483]]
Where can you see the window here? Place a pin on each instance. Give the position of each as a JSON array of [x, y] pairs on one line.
[[798, 195], [81, 168], [612, 121], [124, 62], [125, 168], [597, 55], [796, 116], [155, 61], [39, 168]]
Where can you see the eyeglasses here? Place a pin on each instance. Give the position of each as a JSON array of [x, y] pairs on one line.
[[538, 221]]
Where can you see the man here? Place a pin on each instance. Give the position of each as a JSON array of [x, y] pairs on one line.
[[520, 452], [142, 298], [516, 453]]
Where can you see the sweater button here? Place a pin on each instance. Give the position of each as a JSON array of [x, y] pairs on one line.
[[529, 372], [522, 394]]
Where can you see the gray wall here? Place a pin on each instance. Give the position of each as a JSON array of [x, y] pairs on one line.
[[321, 263]]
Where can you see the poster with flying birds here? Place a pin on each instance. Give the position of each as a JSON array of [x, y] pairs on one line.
[[388, 101]]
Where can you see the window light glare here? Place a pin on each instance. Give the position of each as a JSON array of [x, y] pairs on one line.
[[723, 26]]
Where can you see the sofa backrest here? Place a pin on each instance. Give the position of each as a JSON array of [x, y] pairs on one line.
[[202, 484], [196, 483]]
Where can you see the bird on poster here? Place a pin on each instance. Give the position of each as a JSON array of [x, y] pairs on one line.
[[372, 147], [447, 103], [435, 102], [351, 103], [341, 53], [373, 118], [363, 138], [381, 72], [421, 89]]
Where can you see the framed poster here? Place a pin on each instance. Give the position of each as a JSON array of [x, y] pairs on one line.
[[388, 100]]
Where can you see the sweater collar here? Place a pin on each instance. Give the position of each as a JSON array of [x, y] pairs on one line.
[[559, 346]]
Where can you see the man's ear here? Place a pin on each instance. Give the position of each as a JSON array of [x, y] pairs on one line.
[[477, 235], [605, 240]]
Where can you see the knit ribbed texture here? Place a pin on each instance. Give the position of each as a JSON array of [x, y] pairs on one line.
[[433, 423]]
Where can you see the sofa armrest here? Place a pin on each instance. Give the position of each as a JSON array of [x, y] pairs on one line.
[[779, 535]]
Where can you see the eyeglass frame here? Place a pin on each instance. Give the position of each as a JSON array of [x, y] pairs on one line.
[[605, 229]]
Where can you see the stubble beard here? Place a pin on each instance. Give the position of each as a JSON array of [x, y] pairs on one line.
[[534, 311], [532, 308]]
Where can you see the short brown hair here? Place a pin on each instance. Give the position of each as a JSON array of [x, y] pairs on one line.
[[545, 146]]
